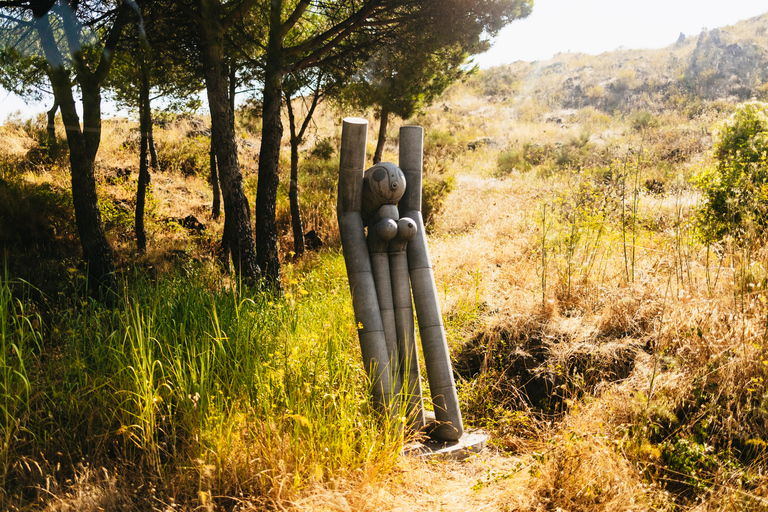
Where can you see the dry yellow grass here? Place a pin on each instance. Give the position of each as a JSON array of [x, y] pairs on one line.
[[682, 302]]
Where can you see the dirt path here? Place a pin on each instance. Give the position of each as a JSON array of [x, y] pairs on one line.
[[477, 484]]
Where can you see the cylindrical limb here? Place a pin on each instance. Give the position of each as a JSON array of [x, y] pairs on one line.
[[361, 283], [406, 331], [383, 228], [448, 425]]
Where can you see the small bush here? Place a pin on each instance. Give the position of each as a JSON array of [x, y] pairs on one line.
[[736, 187], [434, 191], [512, 160], [595, 92], [188, 156], [324, 149], [643, 120], [692, 467], [574, 153]]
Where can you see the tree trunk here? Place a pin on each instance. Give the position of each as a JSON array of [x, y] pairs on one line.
[[223, 255], [214, 179], [237, 227], [383, 120], [269, 156], [51, 127], [141, 192], [83, 146], [232, 88], [153, 163], [293, 190], [96, 249]]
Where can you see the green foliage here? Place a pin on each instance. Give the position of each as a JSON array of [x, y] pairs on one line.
[[573, 154], [413, 71], [171, 72], [20, 342], [324, 149], [521, 159], [736, 188], [692, 466], [439, 143], [402, 81], [511, 160], [643, 120], [22, 74], [116, 214]]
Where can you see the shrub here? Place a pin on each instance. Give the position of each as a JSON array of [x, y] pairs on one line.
[[511, 160], [574, 153], [435, 189], [736, 187], [643, 120], [324, 149], [595, 92], [188, 156]]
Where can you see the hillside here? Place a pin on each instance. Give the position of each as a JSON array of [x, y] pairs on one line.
[[727, 64]]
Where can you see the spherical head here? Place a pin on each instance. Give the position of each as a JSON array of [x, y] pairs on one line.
[[384, 183]]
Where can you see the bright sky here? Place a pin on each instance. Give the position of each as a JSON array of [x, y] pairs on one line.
[[596, 26], [586, 26]]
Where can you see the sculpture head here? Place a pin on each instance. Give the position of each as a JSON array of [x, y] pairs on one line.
[[384, 183]]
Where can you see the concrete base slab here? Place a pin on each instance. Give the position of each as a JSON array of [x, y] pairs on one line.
[[470, 443]]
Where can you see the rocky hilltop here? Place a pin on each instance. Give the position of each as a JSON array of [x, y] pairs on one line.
[[729, 64]]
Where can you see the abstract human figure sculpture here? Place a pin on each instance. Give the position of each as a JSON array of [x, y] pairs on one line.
[[384, 267]]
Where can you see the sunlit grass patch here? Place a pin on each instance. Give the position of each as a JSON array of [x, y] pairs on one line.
[[205, 386]]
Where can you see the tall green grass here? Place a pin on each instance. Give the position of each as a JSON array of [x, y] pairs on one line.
[[19, 340], [212, 390]]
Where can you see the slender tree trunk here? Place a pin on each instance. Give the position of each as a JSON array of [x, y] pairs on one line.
[[223, 255], [232, 88], [269, 157], [237, 227], [51, 127], [383, 121], [214, 179], [141, 192], [83, 146], [153, 163], [293, 190]]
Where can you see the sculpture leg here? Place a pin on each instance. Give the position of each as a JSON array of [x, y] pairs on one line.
[[449, 425], [381, 230], [406, 331], [361, 282]]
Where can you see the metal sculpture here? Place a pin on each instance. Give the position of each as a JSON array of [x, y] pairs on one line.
[[389, 269]]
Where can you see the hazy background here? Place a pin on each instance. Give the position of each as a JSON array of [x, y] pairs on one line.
[[585, 26], [596, 26]]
